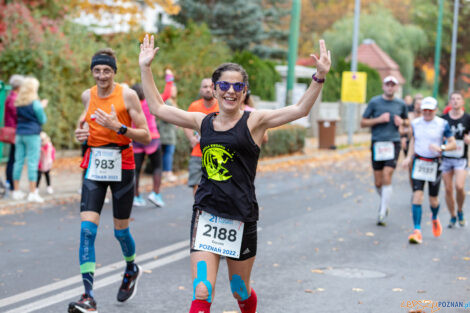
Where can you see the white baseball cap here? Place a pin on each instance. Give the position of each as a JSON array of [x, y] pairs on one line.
[[429, 103], [389, 79]]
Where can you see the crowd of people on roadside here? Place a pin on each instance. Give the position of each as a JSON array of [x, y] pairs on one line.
[[435, 149]]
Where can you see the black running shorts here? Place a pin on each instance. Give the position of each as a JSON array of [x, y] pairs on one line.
[[94, 193]]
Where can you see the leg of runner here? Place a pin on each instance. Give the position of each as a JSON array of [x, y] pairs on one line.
[[378, 178], [204, 268], [386, 192], [139, 161], [156, 161], [416, 209], [460, 176], [448, 178], [239, 274], [436, 224]]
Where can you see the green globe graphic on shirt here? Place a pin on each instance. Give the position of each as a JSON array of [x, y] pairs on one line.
[[214, 159]]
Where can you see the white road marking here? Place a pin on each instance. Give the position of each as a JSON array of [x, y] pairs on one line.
[[75, 292], [99, 272]]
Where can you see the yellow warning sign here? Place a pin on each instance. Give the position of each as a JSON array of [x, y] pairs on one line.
[[353, 87]]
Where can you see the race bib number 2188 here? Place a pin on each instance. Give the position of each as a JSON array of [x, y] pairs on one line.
[[218, 235]]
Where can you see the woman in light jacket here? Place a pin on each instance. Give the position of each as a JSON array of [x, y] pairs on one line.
[[31, 117]]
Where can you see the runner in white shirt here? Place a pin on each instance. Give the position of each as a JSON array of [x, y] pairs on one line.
[[426, 146]]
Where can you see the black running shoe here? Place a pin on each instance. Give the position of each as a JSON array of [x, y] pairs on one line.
[[129, 285], [85, 304]]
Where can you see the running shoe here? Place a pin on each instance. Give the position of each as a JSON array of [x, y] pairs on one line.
[[50, 190], [156, 199], [85, 304], [129, 285], [416, 237], [139, 201], [462, 221], [381, 221], [452, 222], [436, 227]]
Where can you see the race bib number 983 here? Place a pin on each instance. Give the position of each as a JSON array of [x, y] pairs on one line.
[[105, 165], [218, 235]]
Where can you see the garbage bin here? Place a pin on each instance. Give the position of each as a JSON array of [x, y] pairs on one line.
[[326, 134]]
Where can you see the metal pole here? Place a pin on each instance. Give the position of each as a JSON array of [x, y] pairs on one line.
[[454, 47], [292, 53], [352, 106], [437, 52]]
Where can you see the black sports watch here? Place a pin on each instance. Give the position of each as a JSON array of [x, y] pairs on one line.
[[122, 130]]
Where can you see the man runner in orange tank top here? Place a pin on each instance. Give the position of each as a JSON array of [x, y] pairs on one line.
[[109, 161]]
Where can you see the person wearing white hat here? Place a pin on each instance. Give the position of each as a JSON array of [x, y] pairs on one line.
[[431, 137], [454, 163], [385, 114]]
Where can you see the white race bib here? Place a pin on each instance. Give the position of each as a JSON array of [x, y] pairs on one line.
[[457, 153], [384, 151], [105, 164], [424, 170], [218, 235]]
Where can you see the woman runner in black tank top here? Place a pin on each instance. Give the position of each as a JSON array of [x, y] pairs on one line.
[[230, 141]]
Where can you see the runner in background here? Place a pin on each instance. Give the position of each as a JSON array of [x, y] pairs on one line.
[[385, 114], [430, 133]]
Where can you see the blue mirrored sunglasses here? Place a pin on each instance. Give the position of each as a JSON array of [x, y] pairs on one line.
[[224, 86]]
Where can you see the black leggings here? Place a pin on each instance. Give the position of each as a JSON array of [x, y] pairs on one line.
[[155, 162], [48, 178]]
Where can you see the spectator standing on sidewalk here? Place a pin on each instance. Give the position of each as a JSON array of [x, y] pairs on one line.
[[153, 151], [168, 133], [385, 114], [31, 117], [11, 121], [46, 160]]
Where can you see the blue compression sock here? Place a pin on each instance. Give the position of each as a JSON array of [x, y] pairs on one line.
[[460, 215], [417, 212], [434, 212], [128, 247], [87, 254]]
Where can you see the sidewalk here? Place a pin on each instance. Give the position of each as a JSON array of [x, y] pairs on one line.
[[66, 176]]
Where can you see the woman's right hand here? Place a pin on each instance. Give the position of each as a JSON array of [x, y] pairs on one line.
[[147, 51]]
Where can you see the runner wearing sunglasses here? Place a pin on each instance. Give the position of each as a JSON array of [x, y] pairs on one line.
[[430, 132], [225, 211]]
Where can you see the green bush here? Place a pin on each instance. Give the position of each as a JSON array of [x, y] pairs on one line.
[[284, 140], [261, 73]]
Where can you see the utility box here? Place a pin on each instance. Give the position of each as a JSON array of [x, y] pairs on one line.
[[326, 134]]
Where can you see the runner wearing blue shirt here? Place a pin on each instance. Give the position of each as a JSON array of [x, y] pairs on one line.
[[430, 132], [385, 114]]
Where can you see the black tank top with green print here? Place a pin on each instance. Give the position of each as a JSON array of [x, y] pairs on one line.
[[229, 161]]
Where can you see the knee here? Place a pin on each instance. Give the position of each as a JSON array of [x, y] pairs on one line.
[[239, 289], [434, 201], [201, 292], [460, 189]]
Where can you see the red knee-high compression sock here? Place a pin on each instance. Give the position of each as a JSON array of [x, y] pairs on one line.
[[249, 305], [200, 306]]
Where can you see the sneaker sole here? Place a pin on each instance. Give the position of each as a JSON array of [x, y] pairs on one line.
[[135, 286], [415, 241], [383, 224], [76, 309], [158, 205]]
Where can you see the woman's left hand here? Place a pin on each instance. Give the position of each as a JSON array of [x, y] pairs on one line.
[[323, 62], [108, 120]]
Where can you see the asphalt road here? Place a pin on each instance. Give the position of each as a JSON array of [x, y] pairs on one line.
[[319, 250]]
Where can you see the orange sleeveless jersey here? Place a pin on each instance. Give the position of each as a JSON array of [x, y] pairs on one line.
[[100, 135]]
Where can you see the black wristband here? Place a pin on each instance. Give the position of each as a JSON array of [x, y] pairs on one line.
[[122, 130]]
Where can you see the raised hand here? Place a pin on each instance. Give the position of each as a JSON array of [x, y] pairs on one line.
[[109, 121], [147, 51], [323, 62]]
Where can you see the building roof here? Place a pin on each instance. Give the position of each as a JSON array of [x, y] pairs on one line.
[[370, 54]]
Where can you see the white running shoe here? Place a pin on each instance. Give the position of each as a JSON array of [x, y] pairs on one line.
[[50, 190], [156, 199], [17, 194], [35, 197]]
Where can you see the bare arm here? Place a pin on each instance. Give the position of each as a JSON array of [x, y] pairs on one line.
[[155, 102], [141, 131], [261, 120], [369, 122], [193, 139]]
